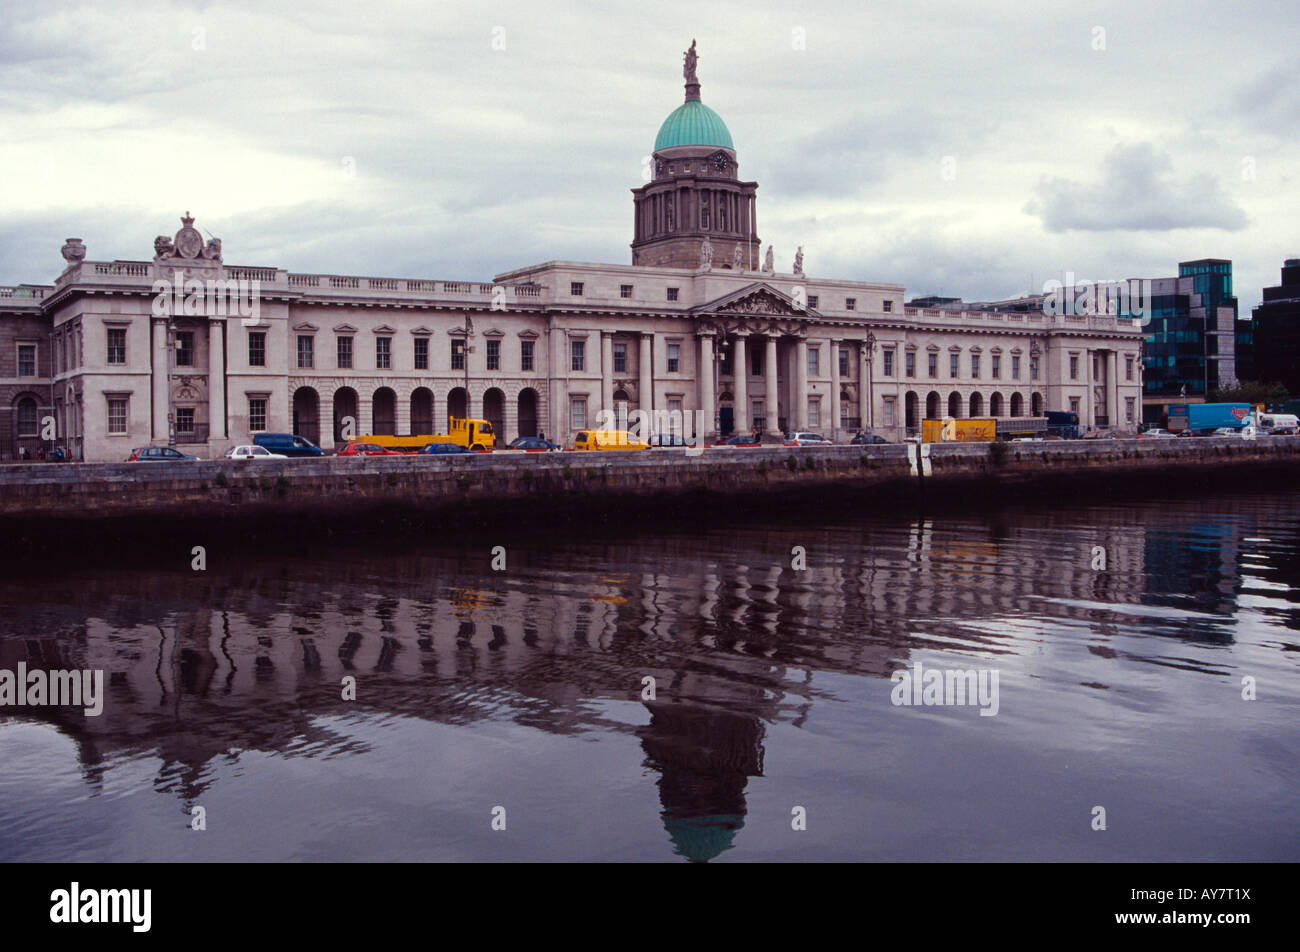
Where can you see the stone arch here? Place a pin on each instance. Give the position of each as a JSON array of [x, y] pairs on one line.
[[346, 403], [1036, 405], [1017, 405], [457, 403], [932, 404], [306, 414], [422, 412], [383, 412], [494, 410], [977, 404], [995, 405], [954, 404], [910, 408], [527, 403]]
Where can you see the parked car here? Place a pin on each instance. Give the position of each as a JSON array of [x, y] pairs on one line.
[[446, 449], [1155, 433], [533, 444], [740, 439], [157, 454], [286, 444], [368, 449], [864, 439], [669, 439], [807, 439], [252, 452]]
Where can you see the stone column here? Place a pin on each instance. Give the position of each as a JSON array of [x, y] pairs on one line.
[[770, 399], [217, 381], [558, 389], [705, 377], [835, 388], [864, 386], [1113, 409], [645, 372], [740, 373], [801, 384], [158, 367], [607, 373], [1089, 401]]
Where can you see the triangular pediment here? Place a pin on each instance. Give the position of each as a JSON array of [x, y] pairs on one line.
[[758, 299]]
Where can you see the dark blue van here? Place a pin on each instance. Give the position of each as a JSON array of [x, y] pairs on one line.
[[286, 444]]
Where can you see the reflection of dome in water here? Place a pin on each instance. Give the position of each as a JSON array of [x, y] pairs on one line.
[[701, 838]]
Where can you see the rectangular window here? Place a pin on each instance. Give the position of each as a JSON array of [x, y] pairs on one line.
[[1033, 368], [1128, 368], [996, 369], [844, 361], [1096, 369], [674, 358], [1015, 368], [256, 414], [422, 353], [117, 416], [257, 348], [954, 367], [184, 348], [888, 370], [578, 413], [909, 363], [117, 345], [306, 351], [383, 353], [620, 358], [672, 294], [888, 306], [525, 355], [814, 413], [1128, 408], [850, 304], [575, 288], [1074, 404], [625, 290], [814, 361], [1074, 367], [975, 366], [184, 421], [889, 412], [756, 362], [812, 300], [757, 418], [932, 365], [458, 354], [494, 355], [578, 355], [27, 360], [345, 353]]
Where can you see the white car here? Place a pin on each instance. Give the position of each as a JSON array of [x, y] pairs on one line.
[[807, 439], [252, 452]]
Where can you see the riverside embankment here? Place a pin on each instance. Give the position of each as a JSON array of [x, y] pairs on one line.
[[507, 485]]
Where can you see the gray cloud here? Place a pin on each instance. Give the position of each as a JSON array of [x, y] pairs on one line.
[[1137, 191]]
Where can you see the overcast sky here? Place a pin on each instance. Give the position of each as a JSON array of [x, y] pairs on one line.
[[973, 150]]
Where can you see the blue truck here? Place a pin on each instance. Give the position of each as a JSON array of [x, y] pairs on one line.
[[1063, 424], [1203, 418]]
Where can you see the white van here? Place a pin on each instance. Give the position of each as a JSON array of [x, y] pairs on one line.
[[1287, 423]]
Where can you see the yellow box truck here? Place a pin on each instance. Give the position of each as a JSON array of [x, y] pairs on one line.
[[959, 431]]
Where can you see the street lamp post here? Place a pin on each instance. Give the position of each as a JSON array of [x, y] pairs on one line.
[[869, 422]]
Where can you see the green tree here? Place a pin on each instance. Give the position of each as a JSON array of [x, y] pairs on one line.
[[1251, 391]]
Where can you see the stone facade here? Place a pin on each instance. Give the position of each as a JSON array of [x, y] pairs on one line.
[[129, 353]]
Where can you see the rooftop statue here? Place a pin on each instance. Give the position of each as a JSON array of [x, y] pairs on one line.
[[689, 69]]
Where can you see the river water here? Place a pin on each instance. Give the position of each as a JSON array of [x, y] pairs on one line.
[[1145, 656]]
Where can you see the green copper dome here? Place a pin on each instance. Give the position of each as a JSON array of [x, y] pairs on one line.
[[693, 123]]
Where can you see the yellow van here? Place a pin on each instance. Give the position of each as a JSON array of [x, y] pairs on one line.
[[608, 440]]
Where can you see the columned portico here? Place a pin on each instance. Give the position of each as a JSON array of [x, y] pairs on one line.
[[770, 400], [1113, 411], [740, 374]]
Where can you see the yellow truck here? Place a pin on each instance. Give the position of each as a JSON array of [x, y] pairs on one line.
[[608, 440], [476, 435], [958, 431]]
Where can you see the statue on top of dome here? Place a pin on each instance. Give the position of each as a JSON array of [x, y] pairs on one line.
[[689, 69]]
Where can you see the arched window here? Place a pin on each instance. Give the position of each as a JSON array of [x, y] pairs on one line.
[[29, 423]]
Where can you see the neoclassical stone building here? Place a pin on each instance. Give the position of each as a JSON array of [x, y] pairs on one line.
[[697, 325]]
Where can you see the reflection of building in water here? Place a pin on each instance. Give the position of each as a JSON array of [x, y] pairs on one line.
[[201, 671]]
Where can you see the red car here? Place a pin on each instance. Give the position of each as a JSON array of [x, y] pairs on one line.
[[367, 449]]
